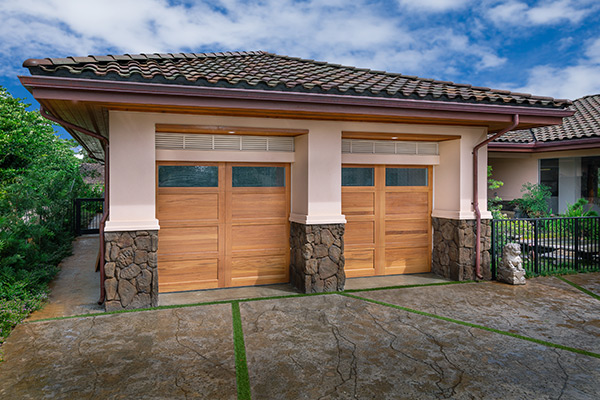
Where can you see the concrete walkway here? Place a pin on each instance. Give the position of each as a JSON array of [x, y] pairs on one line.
[[76, 289], [436, 340], [459, 341]]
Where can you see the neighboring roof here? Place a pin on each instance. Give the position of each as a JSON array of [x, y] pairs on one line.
[[584, 124], [266, 71]]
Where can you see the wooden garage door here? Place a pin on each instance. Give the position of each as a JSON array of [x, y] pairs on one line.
[[222, 225], [388, 209]]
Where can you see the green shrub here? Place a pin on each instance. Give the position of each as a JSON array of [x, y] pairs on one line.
[[494, 203], [579, 210], [39, 180], [534, 202]]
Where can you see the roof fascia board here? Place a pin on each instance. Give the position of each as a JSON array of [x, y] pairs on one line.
[[130, 89], [540, 147]]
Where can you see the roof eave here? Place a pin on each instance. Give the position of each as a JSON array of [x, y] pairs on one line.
[[91, 90], [540, 147]]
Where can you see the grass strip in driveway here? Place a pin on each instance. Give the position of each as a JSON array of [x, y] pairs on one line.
[[576, 286], [471, 325], [241, 365], [209, 303]]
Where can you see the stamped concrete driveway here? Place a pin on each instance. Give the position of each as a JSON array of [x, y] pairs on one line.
[[459, 341]]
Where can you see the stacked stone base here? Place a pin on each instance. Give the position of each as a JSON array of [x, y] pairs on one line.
[[454, 249], [317, 257], [131, 273]]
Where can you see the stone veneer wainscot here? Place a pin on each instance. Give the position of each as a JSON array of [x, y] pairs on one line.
[[317, 257], [131, 274], [454, 249]]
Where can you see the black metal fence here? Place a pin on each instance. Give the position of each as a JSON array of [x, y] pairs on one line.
[[549, 245], [87, 215]]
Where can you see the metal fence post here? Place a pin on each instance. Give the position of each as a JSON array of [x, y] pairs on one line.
[[576, 239], [536, 250], [494, 224]]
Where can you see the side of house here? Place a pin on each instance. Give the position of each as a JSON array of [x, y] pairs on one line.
[[250, 168], [566, 158]]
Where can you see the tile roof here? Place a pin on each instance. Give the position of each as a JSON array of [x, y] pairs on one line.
[[585, 123], [266, 71]]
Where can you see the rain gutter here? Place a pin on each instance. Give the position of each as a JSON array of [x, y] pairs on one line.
[[514, 124], [46, 114]]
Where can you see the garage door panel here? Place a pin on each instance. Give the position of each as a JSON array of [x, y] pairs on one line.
[[359, 262], [188, 207], [259, 237], [407, 203], [257, 206], [359, 232], [257, 269], [358, 203], [407, 261], [188, 240], [179, 275], [407, 232]]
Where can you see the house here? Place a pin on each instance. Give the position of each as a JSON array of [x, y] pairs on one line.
[[251, 168], [566, 158]]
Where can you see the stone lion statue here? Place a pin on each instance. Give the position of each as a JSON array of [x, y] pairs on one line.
[[511, 269]]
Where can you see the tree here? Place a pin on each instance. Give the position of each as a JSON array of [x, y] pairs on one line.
[[39, 179]]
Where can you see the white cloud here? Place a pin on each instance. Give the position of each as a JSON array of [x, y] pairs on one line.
[[544, 13], [362, 33], [433, 5], [570, 82]]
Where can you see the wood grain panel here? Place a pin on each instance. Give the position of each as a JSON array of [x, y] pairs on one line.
[[359, 263], [188, 207], [187, 240], [358, 203], [407, 233], [411, 204], [259, 270], [248, 237], [258, 206], [407, 261], [187, 274], [359, 233]]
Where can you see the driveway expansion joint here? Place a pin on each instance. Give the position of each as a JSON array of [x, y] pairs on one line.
[[472, 325], [576, 286]]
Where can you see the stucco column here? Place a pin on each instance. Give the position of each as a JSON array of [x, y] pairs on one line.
[[453, 217], [131, 233], [317, 224], [132, 173]]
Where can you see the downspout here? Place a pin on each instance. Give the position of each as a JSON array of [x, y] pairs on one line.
[[514, 124], [46, 114]]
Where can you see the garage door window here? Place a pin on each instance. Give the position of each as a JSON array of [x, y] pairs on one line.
[[357, 176], [258, 176], [406, 176], [188, 176]]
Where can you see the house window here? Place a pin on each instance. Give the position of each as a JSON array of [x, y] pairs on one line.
[[188, 176], [590, 181], [258, 176], [357, 176], [549, 178], [406, 176]]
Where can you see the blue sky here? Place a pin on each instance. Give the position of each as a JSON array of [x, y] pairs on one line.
[[546, 47]]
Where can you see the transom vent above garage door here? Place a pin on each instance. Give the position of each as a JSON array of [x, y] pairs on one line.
[[356, 146], [177, 141]]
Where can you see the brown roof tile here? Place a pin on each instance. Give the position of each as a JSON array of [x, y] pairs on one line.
[[584, 123], [267, 71]]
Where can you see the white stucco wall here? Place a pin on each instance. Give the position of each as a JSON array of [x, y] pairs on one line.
[[315, 165]]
